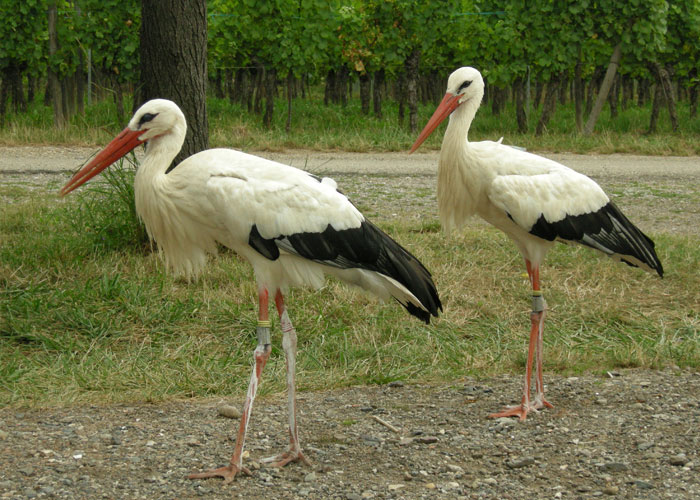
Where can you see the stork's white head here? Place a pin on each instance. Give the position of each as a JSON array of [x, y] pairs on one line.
[[464, 87], [159, 121], [467, 83], [158, 117]]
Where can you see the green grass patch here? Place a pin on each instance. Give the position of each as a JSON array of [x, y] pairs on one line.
[[89, 318]]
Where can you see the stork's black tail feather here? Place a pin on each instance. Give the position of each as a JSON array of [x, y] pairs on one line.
[[607, 230], [365, 247]]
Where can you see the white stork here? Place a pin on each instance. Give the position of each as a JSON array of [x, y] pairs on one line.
[[293, 227], [532, 199]]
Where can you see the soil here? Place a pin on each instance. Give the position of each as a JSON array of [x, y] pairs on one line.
[[626, 434]]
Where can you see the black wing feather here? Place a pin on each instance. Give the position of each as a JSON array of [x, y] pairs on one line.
[[607, 230], [365, 247]]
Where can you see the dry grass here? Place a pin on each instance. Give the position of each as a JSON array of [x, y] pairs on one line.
[[84, 320]]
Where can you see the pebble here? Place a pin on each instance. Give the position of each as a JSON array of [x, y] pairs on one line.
[[614, 467], [679, 460], [228, 411], [310, 477], [520, 463], [645, 445], [643, 485], [611, 490], [426, 439]]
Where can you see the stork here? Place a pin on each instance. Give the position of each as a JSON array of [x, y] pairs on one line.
[[293, 228], [534, 200]]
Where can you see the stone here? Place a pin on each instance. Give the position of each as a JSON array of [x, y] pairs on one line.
[[229, 411], [519, 463], [679, 460]]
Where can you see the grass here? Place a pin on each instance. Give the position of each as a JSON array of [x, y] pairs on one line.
[[319, 127], [86, 316]]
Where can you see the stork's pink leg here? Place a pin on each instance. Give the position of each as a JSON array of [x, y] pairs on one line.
[[289, 344], [261, 355], [534, 350]]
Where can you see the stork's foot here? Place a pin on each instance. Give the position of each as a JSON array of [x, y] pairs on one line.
[[542, 403], [285, 458], [228, 473], [519, 411], [522, 409]]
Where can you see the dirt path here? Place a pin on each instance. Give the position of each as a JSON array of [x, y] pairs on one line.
[[632, 434], [629, 434]]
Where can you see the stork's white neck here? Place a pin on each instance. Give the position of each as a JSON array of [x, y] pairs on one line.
[[460, 121]]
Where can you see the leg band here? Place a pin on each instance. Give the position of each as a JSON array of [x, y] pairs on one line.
[[537, 302], [263, 334]]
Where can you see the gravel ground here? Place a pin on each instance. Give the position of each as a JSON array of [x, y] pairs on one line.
[[628, 434]]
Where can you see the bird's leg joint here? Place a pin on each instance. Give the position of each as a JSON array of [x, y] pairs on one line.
[[263, 331], [538, 303]]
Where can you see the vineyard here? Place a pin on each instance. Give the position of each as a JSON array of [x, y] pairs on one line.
[[596, 54]]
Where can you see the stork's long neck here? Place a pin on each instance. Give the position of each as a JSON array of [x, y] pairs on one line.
[[456, 135], [160, 152], [150, 181], [458, 187]]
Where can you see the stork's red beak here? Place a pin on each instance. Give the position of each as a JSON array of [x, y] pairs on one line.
[[126, 141], [448, 104]]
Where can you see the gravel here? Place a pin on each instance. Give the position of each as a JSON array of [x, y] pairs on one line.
[[643, 442]]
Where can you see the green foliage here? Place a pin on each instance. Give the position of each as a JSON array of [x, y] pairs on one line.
[[24, 34]]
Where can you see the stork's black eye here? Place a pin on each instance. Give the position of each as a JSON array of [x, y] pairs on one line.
[[464, 86], [147, 118]]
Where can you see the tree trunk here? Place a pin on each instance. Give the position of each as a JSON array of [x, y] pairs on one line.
[[550, 104], [401, 97], [59, 118], [643, 92], [4, 88], [693, 93], [604, 89], [655, 107], [613, 96], [237, 93], [520, 98], [377, 92], [411, 64], [80, 84], [578, 96], [365, 91], [664, 80], [290, 84], [270, 88], [175, 67]]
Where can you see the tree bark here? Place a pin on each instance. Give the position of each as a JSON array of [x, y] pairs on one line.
[[613, 96], [411, 64], [604, 89], [59, 118], [270, 88], [578, 96], [365, 88], [174, 63], [693, 94], [377, 92], [290, 84], [655, 108], [550, 104], [401, 97], [520, 112], [664, 80]]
